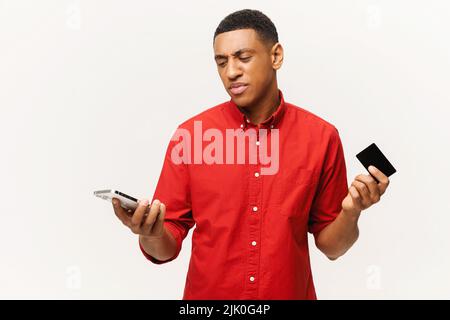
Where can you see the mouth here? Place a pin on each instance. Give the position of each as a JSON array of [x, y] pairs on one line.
[[238, 88]]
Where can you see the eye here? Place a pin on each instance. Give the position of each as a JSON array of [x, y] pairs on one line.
[[245, 59], [222, 64]]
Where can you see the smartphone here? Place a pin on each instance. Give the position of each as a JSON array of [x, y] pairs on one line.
[[127, 202]]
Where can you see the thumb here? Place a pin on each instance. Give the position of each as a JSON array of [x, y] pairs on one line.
[[158, 227]]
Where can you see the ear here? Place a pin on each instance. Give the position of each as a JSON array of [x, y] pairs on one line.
[[277, 55]]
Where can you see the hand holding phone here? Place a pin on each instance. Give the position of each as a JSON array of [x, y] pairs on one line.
[[127, 202], [139, 216], [146, 220]]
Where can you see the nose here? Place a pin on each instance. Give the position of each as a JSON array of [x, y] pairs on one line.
[[233, 70]]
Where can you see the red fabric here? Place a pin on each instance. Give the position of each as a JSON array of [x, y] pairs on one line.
[[305, 195]]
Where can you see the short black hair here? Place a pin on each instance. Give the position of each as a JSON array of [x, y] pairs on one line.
[[249, 19]]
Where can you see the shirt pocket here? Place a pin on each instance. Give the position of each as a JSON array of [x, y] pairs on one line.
[[295, 191]]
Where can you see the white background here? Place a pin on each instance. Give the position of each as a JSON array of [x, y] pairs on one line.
[[91, 91]]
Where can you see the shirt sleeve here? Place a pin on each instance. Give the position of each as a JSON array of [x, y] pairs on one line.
[[173, 190], [332, 187]]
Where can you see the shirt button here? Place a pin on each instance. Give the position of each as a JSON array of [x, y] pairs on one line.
[[257, 143], [271, 126], [255, 209], [253, 243], [252, 279], [257, 174], [242, 125]]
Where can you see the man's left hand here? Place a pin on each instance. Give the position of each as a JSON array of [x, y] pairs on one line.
[[365, 191]]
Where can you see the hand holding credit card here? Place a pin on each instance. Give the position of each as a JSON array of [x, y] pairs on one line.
[[372, 156], [366, 190]]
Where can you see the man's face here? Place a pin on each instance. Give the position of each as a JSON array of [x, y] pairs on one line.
[[245, 65]]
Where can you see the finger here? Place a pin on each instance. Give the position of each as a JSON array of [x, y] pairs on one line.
[[128, 212], [152, 216], [364, 193], [372, 185], [356, 197], [383, 180], [158, 226], [138, 216], [120, 212]]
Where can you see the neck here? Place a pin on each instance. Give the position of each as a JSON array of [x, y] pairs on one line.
[[264, 107]]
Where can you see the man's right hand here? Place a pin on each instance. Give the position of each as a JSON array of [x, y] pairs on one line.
[[145, 221]]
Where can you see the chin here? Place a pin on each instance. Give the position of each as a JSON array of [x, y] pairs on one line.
[[242, 101]]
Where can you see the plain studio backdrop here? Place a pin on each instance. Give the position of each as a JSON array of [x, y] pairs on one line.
[[91, 92]]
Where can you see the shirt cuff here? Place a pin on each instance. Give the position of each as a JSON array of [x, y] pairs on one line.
[[177, 236], [317, 227]]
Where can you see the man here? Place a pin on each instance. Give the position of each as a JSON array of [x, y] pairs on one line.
[[250, 240]]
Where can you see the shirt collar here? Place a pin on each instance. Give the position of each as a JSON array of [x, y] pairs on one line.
[[270, 122]]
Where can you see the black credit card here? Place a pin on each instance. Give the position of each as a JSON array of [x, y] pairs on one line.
[[372, 156]]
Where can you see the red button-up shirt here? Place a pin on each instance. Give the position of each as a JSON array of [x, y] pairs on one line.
[[250, 239]]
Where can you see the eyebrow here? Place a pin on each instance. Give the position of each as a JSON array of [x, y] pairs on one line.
[[236, 53]]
